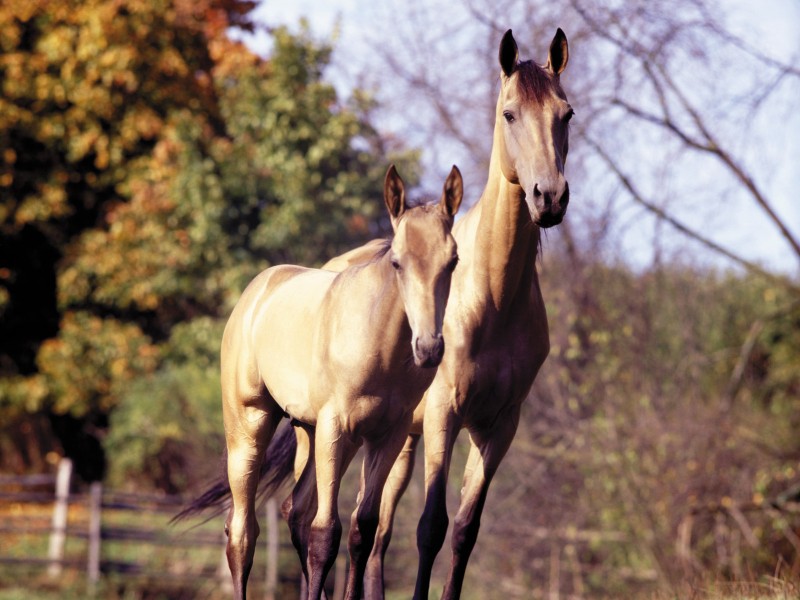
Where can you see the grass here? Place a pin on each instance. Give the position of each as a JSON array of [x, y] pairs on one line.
[[184, 564], [768, 588]]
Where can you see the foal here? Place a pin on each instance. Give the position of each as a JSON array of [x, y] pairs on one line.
[[347, 356]]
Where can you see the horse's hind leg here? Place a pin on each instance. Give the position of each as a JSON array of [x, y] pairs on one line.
[[393, 489], [301, 506], [249, 426]]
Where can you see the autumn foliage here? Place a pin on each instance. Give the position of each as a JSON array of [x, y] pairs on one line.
[[150, 166]]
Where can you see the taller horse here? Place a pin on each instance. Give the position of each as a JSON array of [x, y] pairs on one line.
[[496, 325]]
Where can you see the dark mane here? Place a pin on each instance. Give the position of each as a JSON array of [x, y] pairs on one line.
[[533, 82], [382, 250]]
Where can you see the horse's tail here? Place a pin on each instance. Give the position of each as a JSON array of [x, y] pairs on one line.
[[276, 468]]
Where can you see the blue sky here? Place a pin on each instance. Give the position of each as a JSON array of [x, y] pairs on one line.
[[773, 25]]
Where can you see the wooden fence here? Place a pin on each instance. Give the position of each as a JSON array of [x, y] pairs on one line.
[[102, 535], [46, 528]]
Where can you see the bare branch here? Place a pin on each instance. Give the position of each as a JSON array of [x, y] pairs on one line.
[[783, 68], [442, 108], [659, 77], [737, 376], [713, 147], [664, 122], [662, 214]]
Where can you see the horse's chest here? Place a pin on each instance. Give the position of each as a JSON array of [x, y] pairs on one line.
[[497, 373], [504, 372], [371, 399]]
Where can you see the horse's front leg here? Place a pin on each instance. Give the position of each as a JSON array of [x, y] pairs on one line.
[[248, 430], [393, 489], [378, 460], [300, 507], [332, 452], [441, 427], [486, 452]]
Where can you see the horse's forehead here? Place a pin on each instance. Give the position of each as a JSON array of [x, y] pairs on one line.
[[532, 85], [421, 231]]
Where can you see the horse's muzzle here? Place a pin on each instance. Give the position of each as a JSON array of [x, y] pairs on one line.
[[429, 353], [549, 211]]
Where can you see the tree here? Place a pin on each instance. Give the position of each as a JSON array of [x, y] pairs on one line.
[[152, 166], [88, 88]]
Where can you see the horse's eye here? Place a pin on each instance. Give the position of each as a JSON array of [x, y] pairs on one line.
[[395, 264], [451, 266], [569, 115], [508, 117]]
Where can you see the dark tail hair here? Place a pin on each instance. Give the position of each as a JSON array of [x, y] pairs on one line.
[[276, 468]]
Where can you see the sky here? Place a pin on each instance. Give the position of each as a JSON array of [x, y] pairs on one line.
[[773, 25]]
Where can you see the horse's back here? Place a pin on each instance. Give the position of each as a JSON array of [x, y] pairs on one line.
[[356, 256]]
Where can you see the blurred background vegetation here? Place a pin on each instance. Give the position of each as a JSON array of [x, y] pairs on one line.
[[151, 163]]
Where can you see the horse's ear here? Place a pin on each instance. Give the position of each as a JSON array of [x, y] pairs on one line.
[[394, 193], [509, 54], [452, 193], [559, 53]]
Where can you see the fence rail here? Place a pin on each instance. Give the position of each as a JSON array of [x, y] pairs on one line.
[[100, 524], [96, 527], [109, 532]]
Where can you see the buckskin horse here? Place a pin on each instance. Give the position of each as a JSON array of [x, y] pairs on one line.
[[347, 356]]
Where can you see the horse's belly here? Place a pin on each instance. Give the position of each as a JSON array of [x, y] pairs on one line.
[[284, 370], [374, 416]]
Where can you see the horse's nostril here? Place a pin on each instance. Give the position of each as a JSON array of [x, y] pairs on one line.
[[438, 351], [536, 191], [429, 353]]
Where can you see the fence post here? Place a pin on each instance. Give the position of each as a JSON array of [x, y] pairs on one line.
[[272, 549], [575, 567], [555, 571], [95, 522], [59, 534]]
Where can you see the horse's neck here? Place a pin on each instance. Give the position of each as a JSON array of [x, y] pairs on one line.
[[506, 242]]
